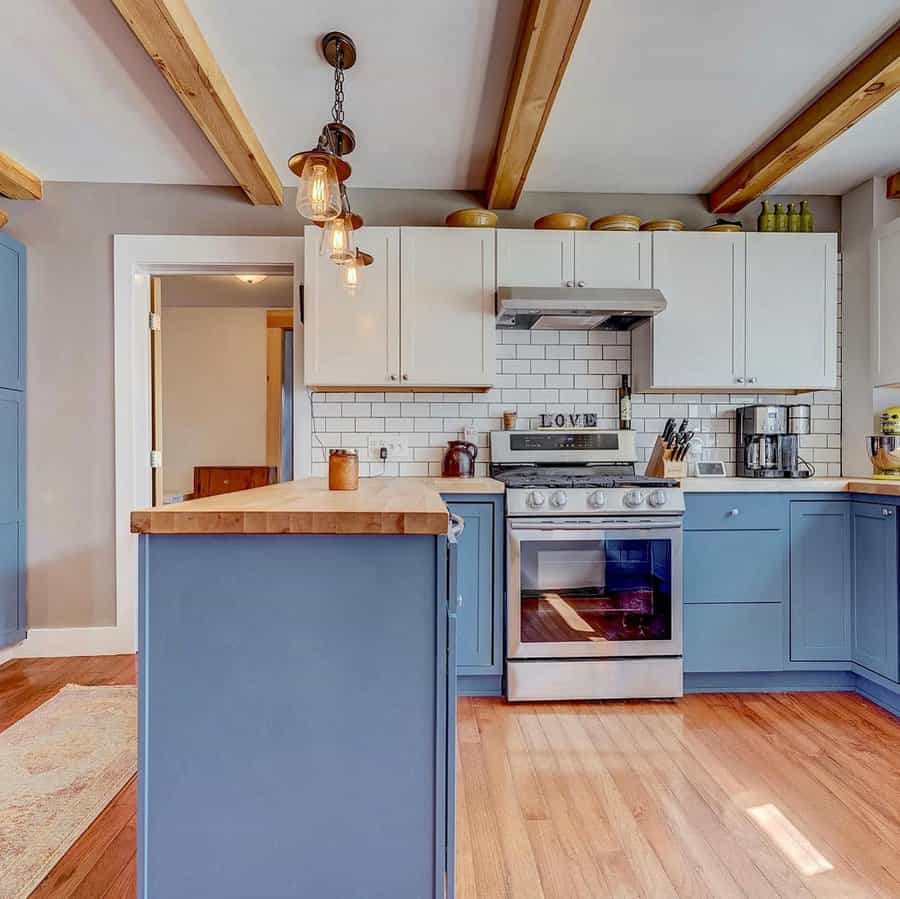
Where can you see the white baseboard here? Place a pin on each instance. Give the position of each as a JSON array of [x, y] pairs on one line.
[[57, 642]]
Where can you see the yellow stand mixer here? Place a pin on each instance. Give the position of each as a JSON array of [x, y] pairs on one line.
[[884, 448]]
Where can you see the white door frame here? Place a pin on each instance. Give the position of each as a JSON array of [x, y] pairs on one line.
[[137, 257]]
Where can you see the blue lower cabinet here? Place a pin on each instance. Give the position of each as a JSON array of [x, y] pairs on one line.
[[821, 581], [734, 637], [12, 516], [875, 592], [480, 614]]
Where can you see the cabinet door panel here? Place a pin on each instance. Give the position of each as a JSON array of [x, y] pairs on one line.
[[886, 306], [448, 336], [734, 637], [612, 259], [821, 581], [475, 566], [535, 258], [353, 340], [12, 314], [735, 566], [875, 625], [702, 279], [12, 517], [791, 310]]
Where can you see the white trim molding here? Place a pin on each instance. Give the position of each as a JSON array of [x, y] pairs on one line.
[[137, 257]]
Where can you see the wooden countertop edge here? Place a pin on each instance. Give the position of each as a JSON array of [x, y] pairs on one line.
[[153, 521]]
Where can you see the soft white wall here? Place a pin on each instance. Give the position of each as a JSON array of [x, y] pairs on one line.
[[863, 209], [214, 390]]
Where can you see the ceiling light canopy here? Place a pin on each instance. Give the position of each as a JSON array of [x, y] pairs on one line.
[[250, 278], [321, 194]]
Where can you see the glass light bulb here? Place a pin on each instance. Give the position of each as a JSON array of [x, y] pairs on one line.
[[350, 276], [341, 249], [319, 193]]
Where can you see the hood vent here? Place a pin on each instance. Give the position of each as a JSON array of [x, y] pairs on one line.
[[576, 308]]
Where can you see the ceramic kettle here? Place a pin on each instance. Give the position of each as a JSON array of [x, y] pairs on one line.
[[459, 460]]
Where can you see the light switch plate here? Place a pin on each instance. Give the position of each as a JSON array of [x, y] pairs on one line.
[[397, 447]]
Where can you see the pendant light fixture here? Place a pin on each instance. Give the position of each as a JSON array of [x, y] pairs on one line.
[[322, 195]]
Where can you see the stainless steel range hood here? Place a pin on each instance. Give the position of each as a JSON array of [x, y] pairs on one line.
[[576, 308]]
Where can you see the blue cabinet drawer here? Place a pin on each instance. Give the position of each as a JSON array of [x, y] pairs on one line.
[[734, 637], [735, 566], [735, 511]]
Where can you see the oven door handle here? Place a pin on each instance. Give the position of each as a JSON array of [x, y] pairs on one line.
[[608, 524]]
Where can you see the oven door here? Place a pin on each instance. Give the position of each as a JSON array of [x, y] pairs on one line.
[[594, 588]]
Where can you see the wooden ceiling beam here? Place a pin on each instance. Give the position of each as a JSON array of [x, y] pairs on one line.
[[893, 187], [546, 38], [173, 40], [16, 182], [867, 84]]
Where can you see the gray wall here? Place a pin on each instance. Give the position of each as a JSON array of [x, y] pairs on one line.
[[70, 549]]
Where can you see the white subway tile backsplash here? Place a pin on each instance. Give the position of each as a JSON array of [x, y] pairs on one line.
[[550, 372]]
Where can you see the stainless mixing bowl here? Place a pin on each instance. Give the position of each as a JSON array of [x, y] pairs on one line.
[[884, 451]]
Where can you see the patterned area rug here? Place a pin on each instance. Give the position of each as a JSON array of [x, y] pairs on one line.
[[59, 768]]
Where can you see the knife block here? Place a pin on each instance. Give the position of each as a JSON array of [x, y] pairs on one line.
[[662, 465]]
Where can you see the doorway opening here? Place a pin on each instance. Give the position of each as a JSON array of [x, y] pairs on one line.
[[221, 359]]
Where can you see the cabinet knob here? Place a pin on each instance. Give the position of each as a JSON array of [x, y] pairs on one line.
[[733, 513], [887, 513], [752, 380], [581, 283], [570, 283], [738, 380], [406, 377], [393, 377]]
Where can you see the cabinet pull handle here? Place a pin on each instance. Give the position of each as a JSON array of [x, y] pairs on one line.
[[581, 283], [733, 513]]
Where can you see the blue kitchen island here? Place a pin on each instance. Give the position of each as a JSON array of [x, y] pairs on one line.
[[297, 694]]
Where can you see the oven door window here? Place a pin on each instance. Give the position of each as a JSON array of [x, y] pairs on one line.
[[594, 592]]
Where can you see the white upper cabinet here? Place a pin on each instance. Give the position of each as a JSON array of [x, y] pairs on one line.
[[745, 312], [698, 341], [791, 314], [886, 305], [535, 258], [612, 258], [352, 341], [447, 326]]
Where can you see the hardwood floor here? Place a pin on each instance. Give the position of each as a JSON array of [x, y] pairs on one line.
[[713, 796]]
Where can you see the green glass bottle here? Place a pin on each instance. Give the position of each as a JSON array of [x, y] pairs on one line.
[[766, 220], [781, 219], [793, 214], [806, 217]]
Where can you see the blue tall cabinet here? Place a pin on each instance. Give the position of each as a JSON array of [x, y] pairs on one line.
[[12, 441]]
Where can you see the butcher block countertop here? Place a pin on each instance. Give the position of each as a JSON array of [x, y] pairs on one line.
[[307, 506]]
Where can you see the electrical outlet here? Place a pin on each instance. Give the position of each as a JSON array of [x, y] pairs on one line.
[[397, 447]]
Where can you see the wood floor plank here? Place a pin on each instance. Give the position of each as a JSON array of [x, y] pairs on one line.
[[707, 797]]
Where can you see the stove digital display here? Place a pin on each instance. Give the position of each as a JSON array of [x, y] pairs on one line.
[[563, 441]]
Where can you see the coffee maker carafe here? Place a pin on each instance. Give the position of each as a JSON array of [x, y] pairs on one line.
[[766, 448]]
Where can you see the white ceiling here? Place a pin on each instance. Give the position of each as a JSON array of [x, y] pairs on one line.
[[276, 291], [665, 97], [659, 96]]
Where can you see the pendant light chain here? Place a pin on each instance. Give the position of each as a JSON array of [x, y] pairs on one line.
[[337, 110]]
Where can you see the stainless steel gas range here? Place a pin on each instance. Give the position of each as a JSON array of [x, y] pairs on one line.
[[594, 568]]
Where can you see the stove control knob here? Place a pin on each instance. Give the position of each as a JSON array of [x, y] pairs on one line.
[[597, 499], [535, 499], [633, 499], [658, 498], [559, 499]]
